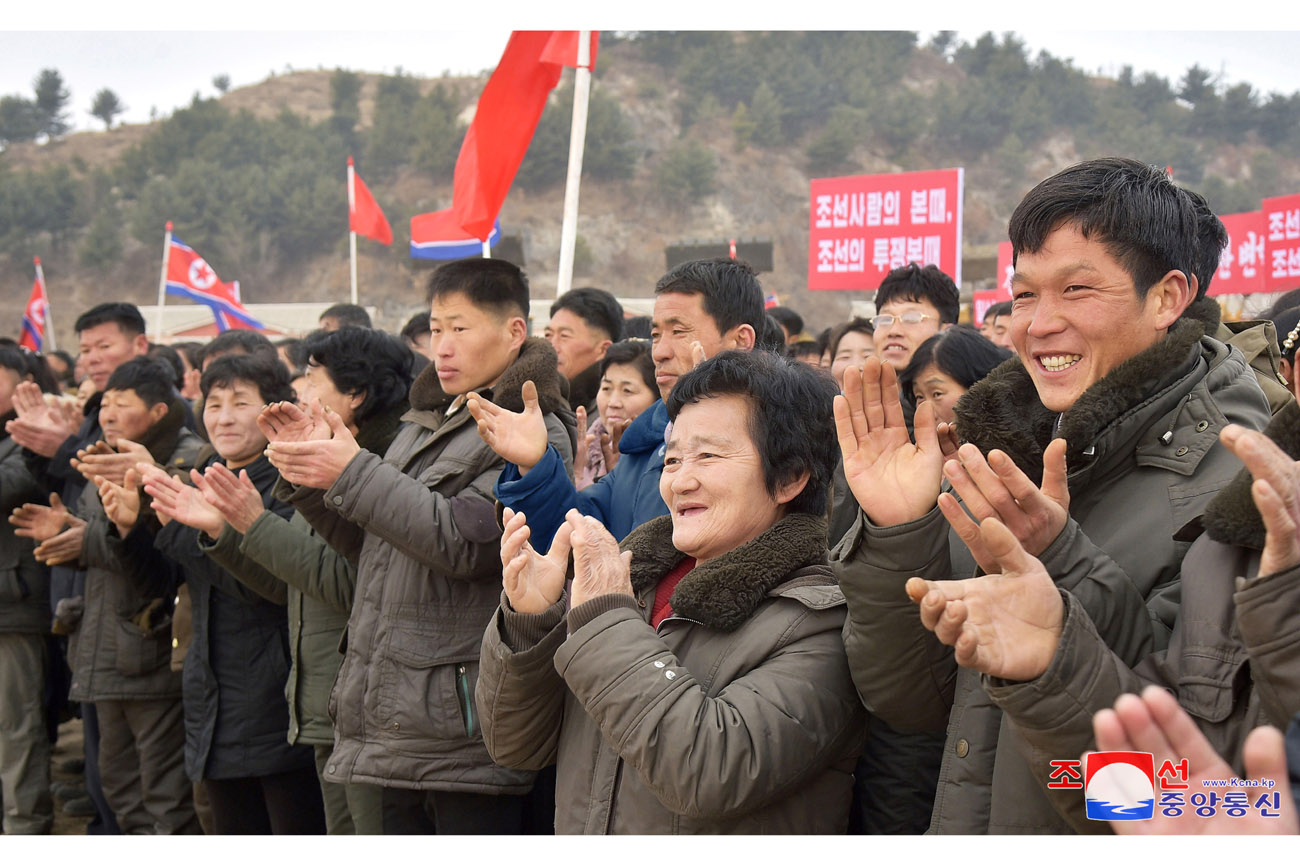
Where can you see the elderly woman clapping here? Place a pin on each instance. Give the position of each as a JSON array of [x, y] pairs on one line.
[[706, 654]]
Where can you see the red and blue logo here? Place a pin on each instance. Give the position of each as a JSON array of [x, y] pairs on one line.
[[1120, 786]]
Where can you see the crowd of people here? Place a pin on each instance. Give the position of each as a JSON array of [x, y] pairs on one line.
[[697, 572]]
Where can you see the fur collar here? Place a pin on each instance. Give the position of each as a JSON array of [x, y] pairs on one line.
[[378, 432], [584, 387], [536, 361], [1231, 517], [724, 592], [1003, 411]]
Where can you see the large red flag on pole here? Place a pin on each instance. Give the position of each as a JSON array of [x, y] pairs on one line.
[[504, 122], [36, 315]]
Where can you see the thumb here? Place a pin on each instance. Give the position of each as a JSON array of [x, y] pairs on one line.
[[698, 355], [55, 501], [131, 481], [529, 393], [1005, 548], [581, 413], [561, 545], [1055, 486], [1264, 754], [335, 420], [243, 476]]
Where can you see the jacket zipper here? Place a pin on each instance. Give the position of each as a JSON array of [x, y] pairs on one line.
[[466, 702]]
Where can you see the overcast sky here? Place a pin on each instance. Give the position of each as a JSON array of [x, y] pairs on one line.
[[159, 57]]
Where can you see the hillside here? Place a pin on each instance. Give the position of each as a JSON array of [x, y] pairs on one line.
[[686, 146]]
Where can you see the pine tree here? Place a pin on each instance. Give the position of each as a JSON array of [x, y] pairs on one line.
[[106, 106], [51, 102]]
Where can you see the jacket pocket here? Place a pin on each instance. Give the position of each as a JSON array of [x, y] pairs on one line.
[[418, 692], [141, 652]]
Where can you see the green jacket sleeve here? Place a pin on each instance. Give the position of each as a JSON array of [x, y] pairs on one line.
[[904, 674], [225, 552], [301, 558]]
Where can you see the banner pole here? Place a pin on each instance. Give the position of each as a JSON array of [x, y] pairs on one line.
[[352, 240], [45, 292], [577, 137], [162, 282]]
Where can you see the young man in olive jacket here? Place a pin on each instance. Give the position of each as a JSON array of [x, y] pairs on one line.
[[1094, 447], [421, 521]]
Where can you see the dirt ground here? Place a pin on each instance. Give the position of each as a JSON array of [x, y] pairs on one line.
[[68, 747]]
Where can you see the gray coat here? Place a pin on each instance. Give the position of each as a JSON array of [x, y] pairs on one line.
[[736, 715], [121, 649], [24, 583], [1144, 459], [421, 522]]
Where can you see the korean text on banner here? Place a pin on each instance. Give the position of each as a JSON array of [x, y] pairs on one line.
[[1242, 264], [1282, 243], [862, 227]]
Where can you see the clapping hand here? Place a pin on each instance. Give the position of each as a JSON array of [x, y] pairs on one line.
[[175, 500], [235, 497], [893, 480], [532, 582], [1006, 624], [121, 502], [39, 427], [1276, 491], [518, 437]]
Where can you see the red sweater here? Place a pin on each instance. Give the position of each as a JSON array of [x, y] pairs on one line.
[[664, 591]]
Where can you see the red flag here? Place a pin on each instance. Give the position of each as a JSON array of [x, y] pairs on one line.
[[34, 314], [504, 122], [364, 216]]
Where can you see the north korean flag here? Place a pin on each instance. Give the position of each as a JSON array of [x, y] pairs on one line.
[[189, 276], [34, 318]]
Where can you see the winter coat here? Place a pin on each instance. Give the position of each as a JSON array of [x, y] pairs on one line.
[[121, 649], [623, 500], [736, 715], [1231, 661], [421, 522], [288, 563], [1143, 460], [233, 682], [24, 583]]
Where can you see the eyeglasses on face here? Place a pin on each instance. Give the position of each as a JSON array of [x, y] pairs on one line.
[[911, 317]]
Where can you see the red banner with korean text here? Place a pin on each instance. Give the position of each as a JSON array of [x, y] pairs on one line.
[[1002, 292], [862, 227], [1242, 263], [1282, 243]]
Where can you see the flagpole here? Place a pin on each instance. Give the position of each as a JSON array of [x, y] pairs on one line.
[[352, 240], [45, 292], [577, 137], [162, 280], [487, 248]]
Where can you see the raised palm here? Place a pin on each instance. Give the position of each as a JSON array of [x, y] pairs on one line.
[[894, 480], [41, 522], [532, 582], [289, 422], [518, 437]]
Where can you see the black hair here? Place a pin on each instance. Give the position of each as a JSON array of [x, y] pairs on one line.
[[1001, 308], [635, 353], [732, 294], [169, 356], [66, 377], [348, 315], [597, 307], [26, 363], [637, 327], [269, 377], [125, 316], [790, 417], [150, 378], [416, 326], [1285, 322], [771, 337], [1287, 301], [806, 349], [1211, 238], [1149, 225], [788, 319], [363, 361], [853, 326], [238, 341], [961, 353], [492, 284], [193, 353], [915, 283]]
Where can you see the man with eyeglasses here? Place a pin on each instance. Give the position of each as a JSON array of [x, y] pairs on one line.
[[913, 304]]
